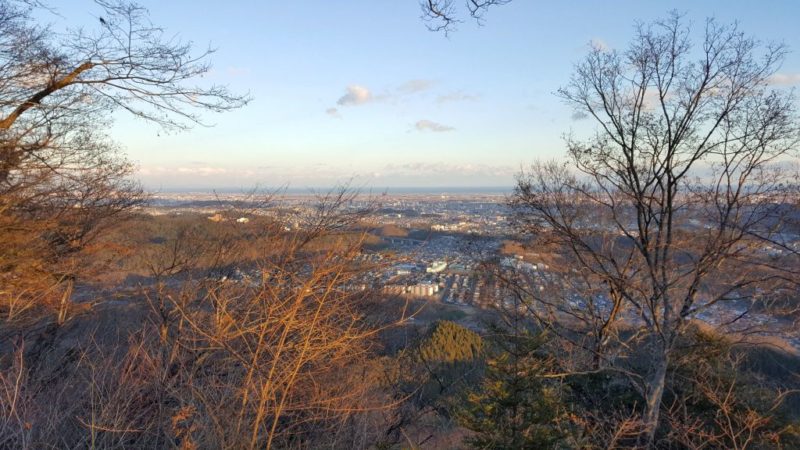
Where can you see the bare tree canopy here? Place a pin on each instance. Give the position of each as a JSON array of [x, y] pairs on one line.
[[665, 212], [443, 15], [62, 179], [127, 62]]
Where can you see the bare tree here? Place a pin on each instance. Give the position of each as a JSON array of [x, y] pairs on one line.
[[665, 212], [279, 356], [714, 401], [443, 15], [62, 180], [59, 86], [255, 360], [126, 63]]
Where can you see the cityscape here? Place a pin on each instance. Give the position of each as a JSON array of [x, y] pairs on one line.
[[438, 247]]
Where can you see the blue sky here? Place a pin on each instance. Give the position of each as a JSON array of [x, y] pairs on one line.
[[361, 89]]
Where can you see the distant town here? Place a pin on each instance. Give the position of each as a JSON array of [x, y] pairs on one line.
[[440, 243]]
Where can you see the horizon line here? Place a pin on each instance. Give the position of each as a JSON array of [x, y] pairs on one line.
[[318, 189]]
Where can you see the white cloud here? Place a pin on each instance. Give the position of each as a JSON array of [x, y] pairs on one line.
[[456, 97], [333, 112], [356, 95], [429, 125], [784, 79]]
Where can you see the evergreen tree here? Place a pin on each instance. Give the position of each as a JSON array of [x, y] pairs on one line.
[[514, 408], [450, 342]]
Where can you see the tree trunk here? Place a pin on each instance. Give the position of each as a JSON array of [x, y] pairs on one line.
[[654, 391]]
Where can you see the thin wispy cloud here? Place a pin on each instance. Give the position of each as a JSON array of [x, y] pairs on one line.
[[355, 95], [313, 172], [333, 112], [784, 79], [429, 125], [202, 171], [456, 97], [439, 167], [415, 86]]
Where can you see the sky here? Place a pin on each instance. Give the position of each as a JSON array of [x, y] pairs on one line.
[[362, 91]]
